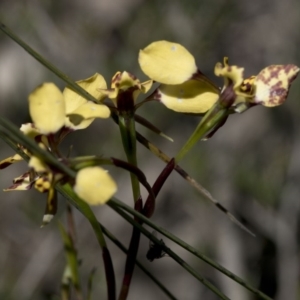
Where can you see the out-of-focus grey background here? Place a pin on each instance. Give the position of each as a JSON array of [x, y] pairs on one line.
[[251, 165]]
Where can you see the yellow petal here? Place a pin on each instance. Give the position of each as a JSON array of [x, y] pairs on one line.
[[92, 85], [10, 160], [21, 183], [146, 86], [167, 62], [230, 73], [29, 130], [190, 97], [94, 185], [76, 122], [124, 81], [88, 111], [37, 164], [272, 84], [47, 108], [43, 184]]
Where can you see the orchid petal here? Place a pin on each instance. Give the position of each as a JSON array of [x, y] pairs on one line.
[[272, 84], [167, 63], [94, 185], [47, 108], [190, 97]]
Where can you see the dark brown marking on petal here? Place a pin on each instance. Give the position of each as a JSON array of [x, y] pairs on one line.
[[116, 78], [289, 67], [157, 95], [132, 76], [261, 77], [21, 178], [228, 96], [247, 84], [5, 165], [274, 72]]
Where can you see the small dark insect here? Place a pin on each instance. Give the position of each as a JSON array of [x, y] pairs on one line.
[[155, 251]]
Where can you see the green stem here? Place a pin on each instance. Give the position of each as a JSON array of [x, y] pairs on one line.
[[128, 134], [15, 135], [122, 247], [72, 260], [213, 117], [127, 129], [67, 191], [191, 181], [168, 251], [32, 146], [116, 202]]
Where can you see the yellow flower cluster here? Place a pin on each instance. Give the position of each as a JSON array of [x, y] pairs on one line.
[[53, 111], [182, 88]]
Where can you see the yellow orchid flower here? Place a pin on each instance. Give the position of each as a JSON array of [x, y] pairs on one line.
[[125, 88], [185, 89], [44, 181], [80, 113], [269, 88], [29, 130], [50, 109]]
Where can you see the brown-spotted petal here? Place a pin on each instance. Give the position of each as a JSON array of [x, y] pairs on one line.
[[21, 183], [9, 161], [272, 84]]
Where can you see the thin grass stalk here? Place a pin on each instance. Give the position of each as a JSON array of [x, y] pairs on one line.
[[141, 266], [168, 251], [71, 83], [189, 248], [9, 132]]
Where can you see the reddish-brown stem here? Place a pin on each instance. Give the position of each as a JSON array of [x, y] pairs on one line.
[[135, 238], [132, 253], [149, 207]]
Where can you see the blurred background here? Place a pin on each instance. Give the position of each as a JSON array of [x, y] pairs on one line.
[[252, 164]]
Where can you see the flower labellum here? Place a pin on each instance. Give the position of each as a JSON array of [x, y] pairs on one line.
[[272, 84]]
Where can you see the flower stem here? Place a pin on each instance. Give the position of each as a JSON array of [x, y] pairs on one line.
[[181, 243], [127, 129], [168, 251], [144, 269], [67, 191], [212, 118], [128, 134]]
